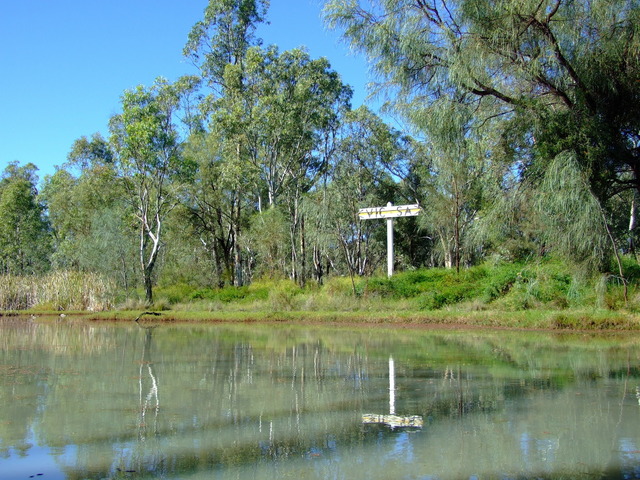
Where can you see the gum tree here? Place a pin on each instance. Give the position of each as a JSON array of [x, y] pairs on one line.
[[218, 45], [148, 150]]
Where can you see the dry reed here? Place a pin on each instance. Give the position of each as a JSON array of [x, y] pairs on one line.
[[60, 290]]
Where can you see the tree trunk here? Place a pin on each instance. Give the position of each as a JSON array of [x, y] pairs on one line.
[[303, 254], [317, 264], [632, 224], [446, 252], [147, 235], [237, 256], [147, 272], [148, 287], [219, 269]]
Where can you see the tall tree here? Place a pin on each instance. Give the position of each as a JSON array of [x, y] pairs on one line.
[[86, 186], [148, 148], [271, 115], [218, 45], [216, 202], [367, 150], [297, 103], [224, 35], [453, 169]]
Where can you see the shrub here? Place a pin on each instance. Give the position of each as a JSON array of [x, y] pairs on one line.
[[174, 293], [283, 296]]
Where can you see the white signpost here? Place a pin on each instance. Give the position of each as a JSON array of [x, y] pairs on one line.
[[389, 212]]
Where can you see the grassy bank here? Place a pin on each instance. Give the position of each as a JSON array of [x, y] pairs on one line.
[[570, 319], [514, 295]]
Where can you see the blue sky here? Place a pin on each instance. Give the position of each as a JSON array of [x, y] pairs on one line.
[[66, 63]]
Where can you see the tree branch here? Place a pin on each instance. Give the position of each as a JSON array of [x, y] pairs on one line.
[[555, 90], [484, 91], [562, 60]]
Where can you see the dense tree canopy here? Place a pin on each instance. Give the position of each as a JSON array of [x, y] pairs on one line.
[[148, 150], [522, 140], [566, 73]]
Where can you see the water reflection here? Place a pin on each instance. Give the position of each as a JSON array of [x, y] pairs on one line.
[[105, 401], [151, 397]]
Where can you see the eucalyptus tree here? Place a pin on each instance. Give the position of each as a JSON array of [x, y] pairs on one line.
[[296, 102], [270, 121], [216, 203], [148, 151], [297, 106], [218, 45], [25, 240], [268, 243], [223, 37], [562, 75]]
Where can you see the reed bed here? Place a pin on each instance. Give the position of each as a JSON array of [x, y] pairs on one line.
[[60, 290]]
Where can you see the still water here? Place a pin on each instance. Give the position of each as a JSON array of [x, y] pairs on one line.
[[95, 401]]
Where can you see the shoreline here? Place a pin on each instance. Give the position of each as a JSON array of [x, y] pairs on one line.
[[551, 320]]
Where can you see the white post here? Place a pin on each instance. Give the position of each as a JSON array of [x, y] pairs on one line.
[[389, 245], [392, 387]]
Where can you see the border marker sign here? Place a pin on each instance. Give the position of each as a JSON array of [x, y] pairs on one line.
[[389, 212]]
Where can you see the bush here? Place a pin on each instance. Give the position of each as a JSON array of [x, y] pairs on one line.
[[174, 293], [283, 296], [500, 282]]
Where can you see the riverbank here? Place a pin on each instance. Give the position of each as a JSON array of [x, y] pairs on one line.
[[571, 320], [542, 295]]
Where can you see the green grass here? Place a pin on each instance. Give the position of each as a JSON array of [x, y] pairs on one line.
[[548, 294]]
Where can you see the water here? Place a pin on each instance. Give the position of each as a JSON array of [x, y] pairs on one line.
[[98, 401]]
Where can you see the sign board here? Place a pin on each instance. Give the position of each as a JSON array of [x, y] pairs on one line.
[[390, 211]]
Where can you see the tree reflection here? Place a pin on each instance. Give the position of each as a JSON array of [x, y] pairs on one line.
[[284, 401], [146, 364]]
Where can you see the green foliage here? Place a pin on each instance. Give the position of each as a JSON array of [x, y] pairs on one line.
[[501, 287], [631, 269], [528, 117], [89, 216], [148, 153], [541, 82], [511, 286], [268, 238], [342, 287], [25, 240], [224, 35], [283, 296], [175, 293], [185, 293]]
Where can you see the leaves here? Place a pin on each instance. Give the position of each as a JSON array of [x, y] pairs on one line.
[[25, 240]]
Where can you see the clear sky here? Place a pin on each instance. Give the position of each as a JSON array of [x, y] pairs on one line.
[[65, 63]]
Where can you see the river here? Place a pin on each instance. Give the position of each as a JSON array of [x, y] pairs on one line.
[[119, 401]]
